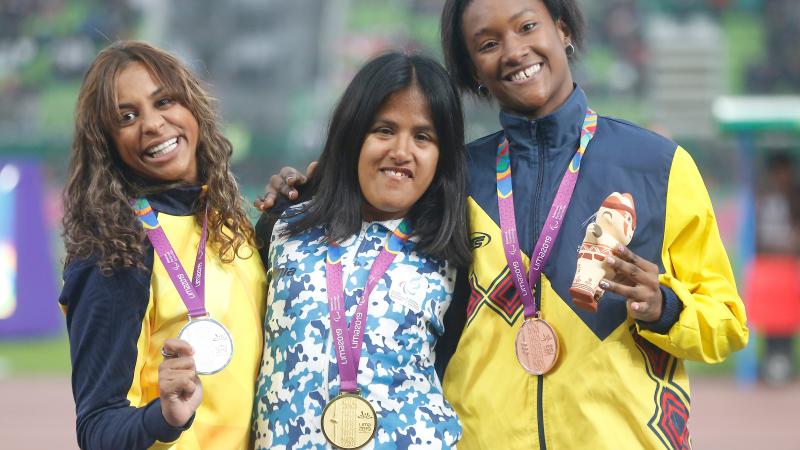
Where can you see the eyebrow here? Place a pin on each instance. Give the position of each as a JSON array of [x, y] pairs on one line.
[[130, 105], [427, 126], [486, 30]]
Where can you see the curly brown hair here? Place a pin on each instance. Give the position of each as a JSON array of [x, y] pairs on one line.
[[99, 221]]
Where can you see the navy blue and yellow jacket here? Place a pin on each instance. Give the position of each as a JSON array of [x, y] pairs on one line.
[[617, 383], [117, 325]]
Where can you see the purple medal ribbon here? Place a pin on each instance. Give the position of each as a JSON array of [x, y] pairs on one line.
[[552, 226], [348, 341], [192, 291]]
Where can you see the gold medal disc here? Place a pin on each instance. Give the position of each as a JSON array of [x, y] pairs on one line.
[[349, 421], [537, 346]]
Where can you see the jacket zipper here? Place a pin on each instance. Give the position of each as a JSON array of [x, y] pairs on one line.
[[536, 137]]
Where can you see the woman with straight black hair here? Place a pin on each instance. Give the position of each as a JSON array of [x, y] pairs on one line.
[[362, 272], [439, 224]]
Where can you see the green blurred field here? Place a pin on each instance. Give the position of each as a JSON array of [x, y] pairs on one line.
[[47, 356]]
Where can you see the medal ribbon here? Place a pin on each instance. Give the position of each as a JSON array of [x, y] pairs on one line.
[[547, 238], [192, 291], [348, 339]]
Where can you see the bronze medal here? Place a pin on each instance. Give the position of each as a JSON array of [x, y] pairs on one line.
[[537, 346], [349, 421]]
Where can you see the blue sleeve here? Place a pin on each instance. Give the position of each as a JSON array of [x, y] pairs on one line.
[[670, 312], [104, 320]]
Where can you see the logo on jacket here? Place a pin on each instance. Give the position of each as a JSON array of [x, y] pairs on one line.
[[284, 271], [478, 240]]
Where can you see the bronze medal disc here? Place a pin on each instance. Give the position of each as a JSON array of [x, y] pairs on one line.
[[537, 346], [349, 421]]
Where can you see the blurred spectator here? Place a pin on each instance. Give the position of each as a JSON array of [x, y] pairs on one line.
[[773, 294], [780, 71]]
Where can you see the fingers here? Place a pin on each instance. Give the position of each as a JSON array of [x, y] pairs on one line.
[[177, 357], [283, 184], [635, 260], [177, 377], [288, 177], [642, 302], [632, 269], [266, 202], [636, 279], [310, 169], [646, 311], [175, 348]]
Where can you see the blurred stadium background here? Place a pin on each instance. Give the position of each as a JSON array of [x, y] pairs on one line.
[[680, 67]]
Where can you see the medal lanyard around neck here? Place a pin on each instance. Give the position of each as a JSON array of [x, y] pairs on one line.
[[547, 238], [192, 292], [348, 339]]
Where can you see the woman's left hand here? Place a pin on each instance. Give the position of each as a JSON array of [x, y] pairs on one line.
[[637, 280], [180, 389]]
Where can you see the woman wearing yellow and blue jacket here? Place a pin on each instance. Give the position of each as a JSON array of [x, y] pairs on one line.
[[619, 381], [146, 128]]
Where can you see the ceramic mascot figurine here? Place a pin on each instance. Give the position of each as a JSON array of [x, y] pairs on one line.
[[613, 224]]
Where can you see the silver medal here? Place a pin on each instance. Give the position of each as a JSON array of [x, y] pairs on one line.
[[211, 342]]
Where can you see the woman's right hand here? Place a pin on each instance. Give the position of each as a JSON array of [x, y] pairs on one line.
[[283, 184], [180, 389]]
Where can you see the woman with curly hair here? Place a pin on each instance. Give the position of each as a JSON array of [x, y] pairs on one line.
[[149, 189]]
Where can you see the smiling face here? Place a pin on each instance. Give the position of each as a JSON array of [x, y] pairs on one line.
[[398, 159], [157, 136], [517, 51]]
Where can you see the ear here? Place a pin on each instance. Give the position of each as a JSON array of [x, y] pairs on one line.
[[563, 32]]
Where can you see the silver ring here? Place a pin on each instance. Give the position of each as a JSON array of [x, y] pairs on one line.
[[167, 355]]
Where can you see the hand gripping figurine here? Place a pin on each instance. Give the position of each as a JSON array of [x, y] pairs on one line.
[[613, 224]]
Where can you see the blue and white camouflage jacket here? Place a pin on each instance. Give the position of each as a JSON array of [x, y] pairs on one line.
[[299, 374]]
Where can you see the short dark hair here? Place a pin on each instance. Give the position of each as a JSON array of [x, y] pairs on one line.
[[440, 215], [456, 56]]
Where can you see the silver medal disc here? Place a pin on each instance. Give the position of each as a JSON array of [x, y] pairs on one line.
[[211, 342]]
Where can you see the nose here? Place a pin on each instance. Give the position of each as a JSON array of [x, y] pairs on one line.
[[152, 122], [515, 50], [400, 152]]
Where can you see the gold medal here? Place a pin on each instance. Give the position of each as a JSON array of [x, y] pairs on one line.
[[349, 421], [537, 346]]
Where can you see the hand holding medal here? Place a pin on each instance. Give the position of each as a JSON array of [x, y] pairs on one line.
[[179, 387]]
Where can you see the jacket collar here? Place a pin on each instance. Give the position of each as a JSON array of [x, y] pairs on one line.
[[179, 201], [561, 127]]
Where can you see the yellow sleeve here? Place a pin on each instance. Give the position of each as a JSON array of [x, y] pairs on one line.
[[712, 322]]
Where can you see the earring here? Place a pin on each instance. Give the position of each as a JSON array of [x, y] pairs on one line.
[[570, 49], [483, 91]]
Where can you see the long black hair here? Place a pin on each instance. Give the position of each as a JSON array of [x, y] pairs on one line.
[[440, 215], [456, 56]]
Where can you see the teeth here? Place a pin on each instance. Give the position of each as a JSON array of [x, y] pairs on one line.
[[164, 148], [527, 73], [395, 173]]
